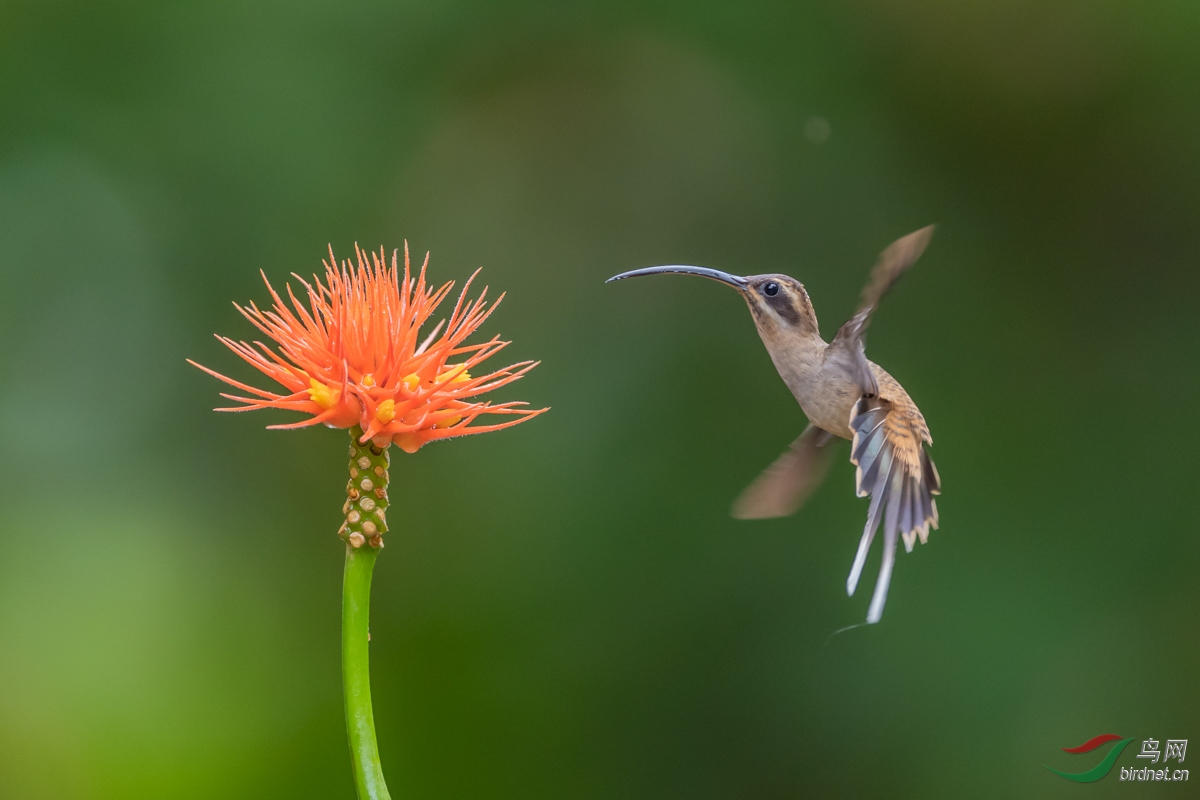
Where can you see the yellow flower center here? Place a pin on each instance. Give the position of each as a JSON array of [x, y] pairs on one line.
[[411, 382], [324, 396], [368, 380], [385, 412], [447, 422], [459, 378]]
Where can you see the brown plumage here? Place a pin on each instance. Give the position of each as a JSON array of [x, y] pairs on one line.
[[843, 395]]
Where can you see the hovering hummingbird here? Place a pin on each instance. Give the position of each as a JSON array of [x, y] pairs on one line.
[[843, 395]]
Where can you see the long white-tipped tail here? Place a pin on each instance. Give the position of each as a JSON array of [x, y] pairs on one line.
[[901, 486]]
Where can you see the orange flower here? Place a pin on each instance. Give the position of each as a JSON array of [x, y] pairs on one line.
[[354, 356]]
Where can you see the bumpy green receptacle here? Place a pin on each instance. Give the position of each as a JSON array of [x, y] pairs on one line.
[[366, 522], [366, 494]]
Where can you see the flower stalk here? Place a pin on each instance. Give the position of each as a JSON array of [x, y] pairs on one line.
[[366, 522]]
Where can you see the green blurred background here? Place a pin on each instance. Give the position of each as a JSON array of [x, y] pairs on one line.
[[566, 610]]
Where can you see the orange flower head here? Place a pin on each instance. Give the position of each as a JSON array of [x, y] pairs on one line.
[[354, 355]]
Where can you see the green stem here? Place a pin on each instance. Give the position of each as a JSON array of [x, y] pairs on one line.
[[363, 530], [356, 675]]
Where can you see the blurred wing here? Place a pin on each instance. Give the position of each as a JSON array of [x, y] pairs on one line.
[[893, 262], [784, 486], [893, 467]]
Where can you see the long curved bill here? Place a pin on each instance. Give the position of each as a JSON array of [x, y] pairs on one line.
[[704, 272]]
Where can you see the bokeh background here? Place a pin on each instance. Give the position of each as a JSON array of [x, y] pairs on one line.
[[566, 610]]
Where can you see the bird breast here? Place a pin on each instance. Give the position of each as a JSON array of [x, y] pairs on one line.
[[825, 389]]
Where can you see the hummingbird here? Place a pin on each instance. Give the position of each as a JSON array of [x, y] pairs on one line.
[[844, 396]]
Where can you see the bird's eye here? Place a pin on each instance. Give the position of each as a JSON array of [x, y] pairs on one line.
[[771, 289]]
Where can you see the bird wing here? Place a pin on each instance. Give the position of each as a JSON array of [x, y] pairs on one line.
[[893, 467], [784, 486], [893, 262]]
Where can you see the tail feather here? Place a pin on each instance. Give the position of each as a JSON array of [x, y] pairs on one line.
[[870, 436], [930, 472], [864, 544], [901, 491], [869, 462], [891, 524], [865, 453]]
